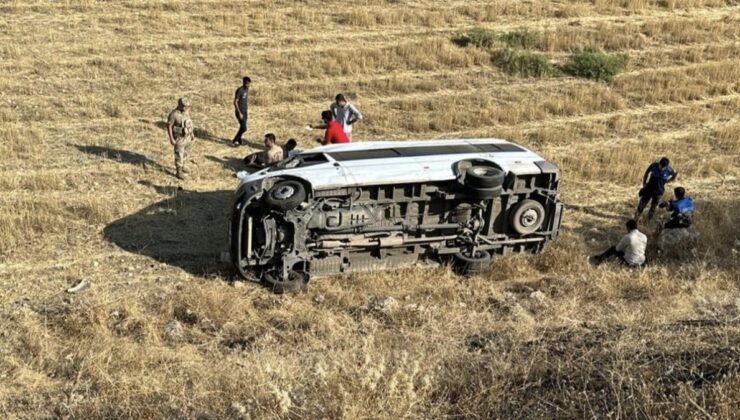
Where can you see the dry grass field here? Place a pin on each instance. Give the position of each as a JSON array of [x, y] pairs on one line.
[[87, 192]]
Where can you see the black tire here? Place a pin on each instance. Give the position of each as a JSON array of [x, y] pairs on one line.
[[286, 195], [296, 282], [480, 176], [470, 265], [527, 216], [484, 193]]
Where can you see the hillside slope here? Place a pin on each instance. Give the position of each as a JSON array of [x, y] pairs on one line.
[[87, 192]]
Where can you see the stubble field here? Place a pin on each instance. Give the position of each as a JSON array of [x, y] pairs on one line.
[[87, 192]]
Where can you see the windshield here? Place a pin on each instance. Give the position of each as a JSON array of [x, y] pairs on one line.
[[301, 161]]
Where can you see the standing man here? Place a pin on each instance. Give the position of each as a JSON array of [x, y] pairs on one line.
[[241, 109], [653, 186], [180, 134], [345, 113], [334, 133], [630, 250]]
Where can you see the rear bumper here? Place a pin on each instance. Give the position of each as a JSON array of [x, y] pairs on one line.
[[556, 220]]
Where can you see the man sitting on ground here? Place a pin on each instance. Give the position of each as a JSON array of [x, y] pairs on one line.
[[334, 133], [682, 210], [269, 157], [630, 250]]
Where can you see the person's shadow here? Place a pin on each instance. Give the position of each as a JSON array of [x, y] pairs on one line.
[[202, 134], [120, 155], [187, 230]]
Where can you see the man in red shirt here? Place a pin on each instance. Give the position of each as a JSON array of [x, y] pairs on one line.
[[334, 132]]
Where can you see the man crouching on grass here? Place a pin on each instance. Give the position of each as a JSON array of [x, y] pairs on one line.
[[334, 133], [629, 251]]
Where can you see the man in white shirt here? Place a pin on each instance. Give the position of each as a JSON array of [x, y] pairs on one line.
[[630, 250], [345, 114]]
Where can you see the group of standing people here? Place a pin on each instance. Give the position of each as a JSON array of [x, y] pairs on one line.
[[631, 248], [337, 121]]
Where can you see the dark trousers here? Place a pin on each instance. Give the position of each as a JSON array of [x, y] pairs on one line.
[[611, 252], [648, 197], [676, 223], [242, 127]]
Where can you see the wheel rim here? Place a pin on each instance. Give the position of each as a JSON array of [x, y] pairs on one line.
[[284, 192], [481, 171], [529, 217]]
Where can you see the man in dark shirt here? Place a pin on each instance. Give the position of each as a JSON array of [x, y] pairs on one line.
[[334, 133], [653, 186], [241, 109]]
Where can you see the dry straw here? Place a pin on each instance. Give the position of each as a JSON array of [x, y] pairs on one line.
[[86, 192]]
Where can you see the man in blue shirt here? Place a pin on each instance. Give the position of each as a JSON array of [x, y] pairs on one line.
[[653, 186], [682, 210]]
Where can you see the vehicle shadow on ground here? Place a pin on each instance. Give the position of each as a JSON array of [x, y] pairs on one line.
[[187, 230], [119, 155]]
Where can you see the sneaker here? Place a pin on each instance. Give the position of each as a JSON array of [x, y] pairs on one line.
[[185, 171], [236, 143], [181, 175]]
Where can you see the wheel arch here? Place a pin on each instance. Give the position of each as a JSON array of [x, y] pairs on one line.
[[462, 165], [274, 180]]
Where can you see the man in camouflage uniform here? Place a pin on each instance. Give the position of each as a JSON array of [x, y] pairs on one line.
[[180, 133]]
